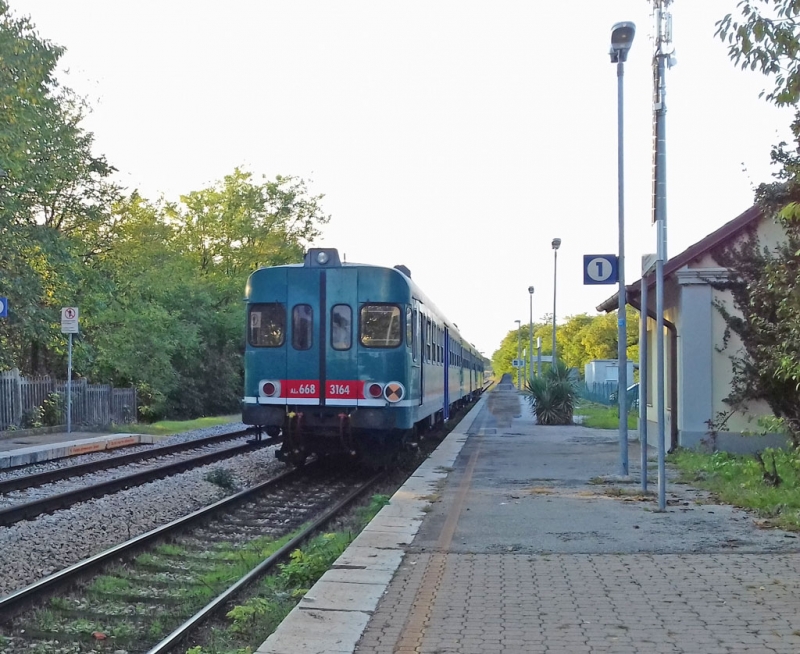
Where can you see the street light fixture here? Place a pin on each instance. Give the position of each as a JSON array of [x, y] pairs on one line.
[[519, 354], [621, 41], [530, 335], [556, 243]]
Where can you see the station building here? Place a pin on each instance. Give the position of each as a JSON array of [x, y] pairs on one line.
[[698, 370]]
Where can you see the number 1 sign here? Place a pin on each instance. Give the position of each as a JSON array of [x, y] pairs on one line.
[[600, 268]]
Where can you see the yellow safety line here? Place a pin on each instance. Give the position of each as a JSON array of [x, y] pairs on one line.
[[421, 608]]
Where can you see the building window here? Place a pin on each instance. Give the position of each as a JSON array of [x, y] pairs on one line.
[[267, 325], [302, 327], [381, 325], [341, 327]]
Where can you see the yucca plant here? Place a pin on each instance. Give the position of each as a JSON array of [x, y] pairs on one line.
[[553, 395]]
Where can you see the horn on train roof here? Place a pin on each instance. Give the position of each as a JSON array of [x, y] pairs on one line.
[[403, 269]]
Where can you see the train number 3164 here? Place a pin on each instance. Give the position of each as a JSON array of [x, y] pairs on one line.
[[339, 389]]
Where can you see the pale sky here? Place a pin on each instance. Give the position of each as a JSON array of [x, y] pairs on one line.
[[457, 138]]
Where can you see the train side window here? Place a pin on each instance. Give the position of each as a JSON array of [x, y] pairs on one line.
[[341, 327], [427, 340], [302, 326], [381, 325], [409, 328], [267, 325]]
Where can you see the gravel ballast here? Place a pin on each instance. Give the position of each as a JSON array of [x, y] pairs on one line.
[[31, 550]]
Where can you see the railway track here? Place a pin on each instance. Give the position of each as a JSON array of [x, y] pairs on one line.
[[149, 593], [14, 483], [30, 509]]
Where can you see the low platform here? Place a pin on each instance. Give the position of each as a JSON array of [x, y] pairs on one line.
[[27, 449], [515, 537]]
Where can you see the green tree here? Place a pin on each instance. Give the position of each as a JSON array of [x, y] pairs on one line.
[[53, 192], [763, 281], [765, 36]]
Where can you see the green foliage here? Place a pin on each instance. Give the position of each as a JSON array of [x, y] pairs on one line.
[[764, 283], [221, 477], [53, 409], [110, 585], [740, 480], [32, 418], [582, 338], [246, 617], [599, 416], [766, 37], [764, 286], [365, 514], [159, 284], [553, 395], [308, 565]]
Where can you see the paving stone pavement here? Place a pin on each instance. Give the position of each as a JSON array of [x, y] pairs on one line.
[[695, 603], [522, 554]]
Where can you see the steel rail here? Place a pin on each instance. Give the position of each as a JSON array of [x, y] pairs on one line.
[[12, 514], [15, 600], [181, 632], [41, 478]]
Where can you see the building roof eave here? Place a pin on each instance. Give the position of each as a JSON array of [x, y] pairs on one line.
[[715, 238]]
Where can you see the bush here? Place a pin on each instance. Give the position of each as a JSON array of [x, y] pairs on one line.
[[53, 410], [553, 395], [222, 477], [32, 418]]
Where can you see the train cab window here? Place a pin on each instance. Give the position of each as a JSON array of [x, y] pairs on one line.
[[341, 327], [302, 326], [267, 325], [381, 325], [409, 327]]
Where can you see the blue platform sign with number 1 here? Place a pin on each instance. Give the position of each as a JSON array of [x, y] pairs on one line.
[[600, 269], [3, 307]]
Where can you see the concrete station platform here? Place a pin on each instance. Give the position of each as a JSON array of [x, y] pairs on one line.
[[513, 537], [24, 449]]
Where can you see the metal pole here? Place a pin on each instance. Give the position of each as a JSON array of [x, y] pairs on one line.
[[643, 372], [530, 334], [519, 355], [69, 386], [622, 331], [660, 108], [555, 278], [538, 356]]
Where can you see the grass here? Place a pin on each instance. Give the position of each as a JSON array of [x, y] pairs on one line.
[[169, 427], [739, 480], [600, 416], [248, 624]]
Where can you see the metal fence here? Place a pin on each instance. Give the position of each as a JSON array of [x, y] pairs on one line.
[[23, 400], [606, 393]]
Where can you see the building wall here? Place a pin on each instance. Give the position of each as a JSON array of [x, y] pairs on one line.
[[705, 367]]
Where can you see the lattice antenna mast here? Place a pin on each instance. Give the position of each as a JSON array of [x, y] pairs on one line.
[[663, 57]]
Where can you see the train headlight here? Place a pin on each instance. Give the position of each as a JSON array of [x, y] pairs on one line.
[[269, 388], [322, 258], [374, 390], [394, 391]]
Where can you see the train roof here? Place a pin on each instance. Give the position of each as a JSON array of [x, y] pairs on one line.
[[329, 258]]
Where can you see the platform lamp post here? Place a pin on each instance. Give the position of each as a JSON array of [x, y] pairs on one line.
[[519, 354], [530, 334], [556, 243], [621, 41]]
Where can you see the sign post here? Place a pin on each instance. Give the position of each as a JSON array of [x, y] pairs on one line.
[[69, 325]]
